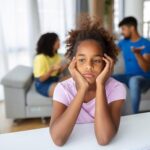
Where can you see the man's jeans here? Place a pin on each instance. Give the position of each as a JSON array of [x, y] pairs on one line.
[[137, 85]]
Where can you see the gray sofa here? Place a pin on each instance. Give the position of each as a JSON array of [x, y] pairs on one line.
[[21, 99]]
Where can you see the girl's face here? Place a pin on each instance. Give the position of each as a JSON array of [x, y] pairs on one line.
[[89, 60]]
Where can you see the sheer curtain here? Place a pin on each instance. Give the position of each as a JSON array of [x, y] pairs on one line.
[[13, 36], [57, 16], [21, 24]]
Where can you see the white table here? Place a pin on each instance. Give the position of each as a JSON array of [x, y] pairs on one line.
[[133, 134]]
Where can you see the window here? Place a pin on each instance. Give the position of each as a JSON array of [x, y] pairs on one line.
[[14, 31], [16, 26], [146, 19], [57, 16], [116, 15]]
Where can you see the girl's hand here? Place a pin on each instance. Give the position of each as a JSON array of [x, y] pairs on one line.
[[81, 83], [107, 71]]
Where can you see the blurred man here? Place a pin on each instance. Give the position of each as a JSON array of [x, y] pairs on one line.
[[136, 54]]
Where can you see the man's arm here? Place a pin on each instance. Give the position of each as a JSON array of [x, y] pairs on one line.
[[143, 61]]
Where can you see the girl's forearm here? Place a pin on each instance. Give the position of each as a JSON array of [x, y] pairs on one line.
[[62, 127], [104, 126]]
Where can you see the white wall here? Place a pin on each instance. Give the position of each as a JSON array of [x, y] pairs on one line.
[[135, 8]]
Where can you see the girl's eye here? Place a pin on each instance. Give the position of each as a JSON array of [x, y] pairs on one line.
[[81, 60], [97, 61]]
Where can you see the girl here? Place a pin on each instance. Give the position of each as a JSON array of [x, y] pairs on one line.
[[47, 64], [91, 95]]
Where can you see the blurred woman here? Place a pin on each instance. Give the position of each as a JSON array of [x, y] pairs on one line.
[[47, 64]]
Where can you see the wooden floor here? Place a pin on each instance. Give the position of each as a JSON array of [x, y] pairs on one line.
[[8, 125]]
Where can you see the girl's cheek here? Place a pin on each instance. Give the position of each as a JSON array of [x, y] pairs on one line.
[[78, 66], [99, 69]]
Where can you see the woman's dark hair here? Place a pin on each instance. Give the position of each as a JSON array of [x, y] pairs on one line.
[[91, 29], [45, 44], [129, 21]]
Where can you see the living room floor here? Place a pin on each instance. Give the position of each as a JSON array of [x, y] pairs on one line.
[[7, 125]]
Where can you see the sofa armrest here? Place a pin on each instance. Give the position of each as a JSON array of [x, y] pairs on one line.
[[16, 84], [19, 77]]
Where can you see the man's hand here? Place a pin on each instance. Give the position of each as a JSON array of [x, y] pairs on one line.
[[81, 83], [107, 71], [137, 49]]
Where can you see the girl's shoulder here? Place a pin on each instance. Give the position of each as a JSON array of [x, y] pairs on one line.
[[114, 87], [68, 83], [115, 90], [112, 83], [65, 91]]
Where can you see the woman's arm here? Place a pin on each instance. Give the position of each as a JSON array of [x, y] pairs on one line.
[[59, 69], [63, 119], [48, 74]]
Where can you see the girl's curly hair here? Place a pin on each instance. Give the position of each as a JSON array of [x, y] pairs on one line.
[[91, 29]]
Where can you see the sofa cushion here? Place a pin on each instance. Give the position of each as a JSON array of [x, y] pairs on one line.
[[35, 99], [146, 95]]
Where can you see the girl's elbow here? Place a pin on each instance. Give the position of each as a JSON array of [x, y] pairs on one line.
[[59, 141], [104, 141]]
